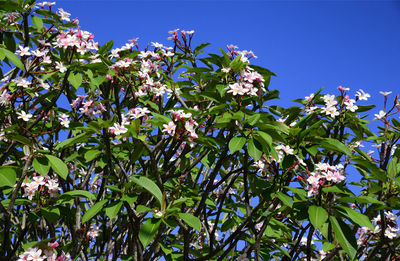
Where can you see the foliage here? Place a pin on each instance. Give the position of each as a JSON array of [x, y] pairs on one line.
[[134, 154]]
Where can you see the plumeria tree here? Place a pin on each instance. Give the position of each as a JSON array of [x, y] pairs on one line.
[[167, 153]]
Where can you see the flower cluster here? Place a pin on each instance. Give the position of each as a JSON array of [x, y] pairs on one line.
[[392, 228], [76, 38], [64, 118], [134, 113], [331, 102], [182, 123], [324, 174], [245, 55], [41, 184], [89, 107], [250, 83], [365, 234], [37, 254]]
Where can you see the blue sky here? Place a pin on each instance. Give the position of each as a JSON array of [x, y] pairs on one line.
[[308, 44]]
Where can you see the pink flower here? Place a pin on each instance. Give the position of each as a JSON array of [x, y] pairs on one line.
[[53, 245], [169, 128]]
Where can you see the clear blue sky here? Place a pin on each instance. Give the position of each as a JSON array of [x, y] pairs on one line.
[[308, 44]]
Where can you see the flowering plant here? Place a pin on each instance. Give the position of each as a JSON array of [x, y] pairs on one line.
[[137, 154]]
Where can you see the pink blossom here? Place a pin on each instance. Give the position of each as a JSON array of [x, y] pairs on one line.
[[169, 128]]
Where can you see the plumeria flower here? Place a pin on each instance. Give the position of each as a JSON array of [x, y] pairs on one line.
[[64, 15], [64, 120], [43, 84], [169, 128], [5, 98], [38, 180], [385, 93], [380, 115], [331, 111], [23, 51], [35, 255], [118, 129], [24, 116], [226, 70], [94, 231], [61, 67], [343, 89], [22, 82], [309, 98], [362, 95], [350, 105], [46, 59], [235, 89]]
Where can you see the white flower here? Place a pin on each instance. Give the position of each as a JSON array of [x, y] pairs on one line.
[[64, 120], [331, 111], [24, 116], [226, 70], [118, 129], [61, 67], [236, 89], [309, 98], [4, 98], [64, 15], [93, 231], [169, 128], [350, 105], [385, 93], [23, 51], [380, 115], [362, 95]]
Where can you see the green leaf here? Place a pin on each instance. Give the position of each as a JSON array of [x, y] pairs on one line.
[[71, 141], [317, 215], [148, 231], [8, 176], [286, 200], [191, 220], [75, 80], [142, 209], [52, 214], [21, 139], [265, 136], [41, 165], [357, 217], [344, 236], [200, 47], [255, 149], [38, 22], [96, 208], [367, 199], [113, 209], [129, 198], [149, 185], [79, 193], [236, 144], [92, 154], [334, 145], [12, 57], [326, 246], [58, 166]]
